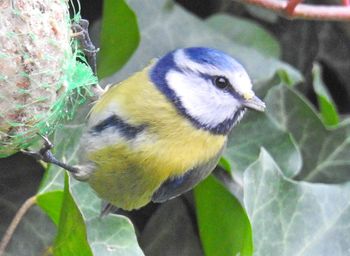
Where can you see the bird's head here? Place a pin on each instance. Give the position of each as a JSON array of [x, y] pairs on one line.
[[207, 86]]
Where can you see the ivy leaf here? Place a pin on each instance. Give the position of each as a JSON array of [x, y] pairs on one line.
[[325, 152], [257, 130], [295, 218]]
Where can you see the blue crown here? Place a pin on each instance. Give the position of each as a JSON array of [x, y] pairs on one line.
[[213, 57]]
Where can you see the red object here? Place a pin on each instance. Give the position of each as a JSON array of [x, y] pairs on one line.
[[292, 4], [346, 2]]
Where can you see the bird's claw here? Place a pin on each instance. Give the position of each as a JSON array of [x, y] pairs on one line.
[[45, 155], [47, 145], [44, 152]]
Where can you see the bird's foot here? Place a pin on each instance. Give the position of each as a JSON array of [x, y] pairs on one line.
[[45, 155]]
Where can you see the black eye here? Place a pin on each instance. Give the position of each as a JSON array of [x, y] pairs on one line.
[[221, 82]]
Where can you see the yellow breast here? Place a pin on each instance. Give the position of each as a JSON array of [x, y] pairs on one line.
[[129, 172]]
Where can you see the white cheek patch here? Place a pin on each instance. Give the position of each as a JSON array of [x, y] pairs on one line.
[[202, 101]]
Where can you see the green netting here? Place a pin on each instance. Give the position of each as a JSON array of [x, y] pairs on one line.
[[44, 77]]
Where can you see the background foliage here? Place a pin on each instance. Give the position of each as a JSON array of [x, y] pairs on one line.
[[285, 184]]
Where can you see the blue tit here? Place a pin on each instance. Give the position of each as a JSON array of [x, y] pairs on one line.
[[157, 134]]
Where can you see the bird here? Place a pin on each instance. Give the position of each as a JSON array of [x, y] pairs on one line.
[[157, 134]]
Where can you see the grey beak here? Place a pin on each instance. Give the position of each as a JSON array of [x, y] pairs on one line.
[[254, 103]]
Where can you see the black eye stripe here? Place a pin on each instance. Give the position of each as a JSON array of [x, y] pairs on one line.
[[225, 85], [228, 88]]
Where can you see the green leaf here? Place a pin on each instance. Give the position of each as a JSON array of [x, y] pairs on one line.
[[225, 164], [163, 29], [295, 218], [327, 107], [119, 36], [71, 235], [257, 130], [223, 224], [284, 77], [51, 204], [325, 152], [246, 33]]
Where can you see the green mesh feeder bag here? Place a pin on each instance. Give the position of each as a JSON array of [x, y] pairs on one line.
[[43, 75]]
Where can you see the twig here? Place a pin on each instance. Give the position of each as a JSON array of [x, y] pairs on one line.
[[291, 6], [14, 223], [305, 11]]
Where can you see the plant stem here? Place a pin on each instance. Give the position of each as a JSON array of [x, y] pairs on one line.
[[14, 223], [291, 6]]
